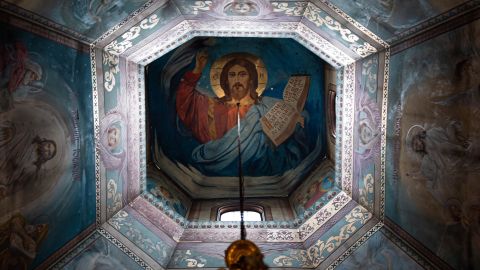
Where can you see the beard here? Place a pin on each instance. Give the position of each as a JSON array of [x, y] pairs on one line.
[[239, 91]]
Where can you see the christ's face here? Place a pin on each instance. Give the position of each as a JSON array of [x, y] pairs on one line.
[[238, 81]]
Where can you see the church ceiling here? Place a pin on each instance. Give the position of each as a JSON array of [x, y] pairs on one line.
[[182, 151], [396, 143]]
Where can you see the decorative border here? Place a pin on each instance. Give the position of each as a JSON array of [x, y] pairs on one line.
[[160, 205], [164, 43], [343, 236], [356, 44], [432, 22], [96, 131], [35, 28], [142, 236], [134, 136], [188, 29], [126, 41], [437, 30], [59, 255], [303, 34], [142, 127], [348, 99], [323, 215], [383, 139], [265, 231], [359, 26], [40, 20], [163, 221], [284, 7], [322, 47], [339, 126], [417, 251], [123, 22], [75, 251], [357, 244], [123, 248]]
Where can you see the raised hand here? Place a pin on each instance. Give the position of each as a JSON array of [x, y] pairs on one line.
[[201, 60]]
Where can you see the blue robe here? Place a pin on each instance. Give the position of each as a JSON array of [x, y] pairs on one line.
[[259, 155]]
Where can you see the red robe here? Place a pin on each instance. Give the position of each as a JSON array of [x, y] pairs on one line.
[[207, 118]]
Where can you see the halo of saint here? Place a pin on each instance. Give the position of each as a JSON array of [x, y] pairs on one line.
[[218, 65]]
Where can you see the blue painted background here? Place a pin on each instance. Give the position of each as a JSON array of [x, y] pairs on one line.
[[379, 252], [68, 205], [91, 18], [282, 57], [102, 254], [389, 18], [434, 195]]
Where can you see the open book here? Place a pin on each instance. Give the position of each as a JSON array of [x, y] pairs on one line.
[[279, 122]]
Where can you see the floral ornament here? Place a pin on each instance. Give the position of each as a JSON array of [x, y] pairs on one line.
[[192, 261], [340, 201], [283, 261], [289, 8], [305, 230], [364, 49], [322, 216], [200, 6], [321, 249], [110, 64], [314, 14], [122, 222], [117, 47], [279, 236], [369, 68], [200, 262], [119, 220], [297, 256]]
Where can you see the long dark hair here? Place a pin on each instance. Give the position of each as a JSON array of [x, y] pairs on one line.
[[252, 73]]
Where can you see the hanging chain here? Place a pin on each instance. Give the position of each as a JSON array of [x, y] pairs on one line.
[[243, 233]]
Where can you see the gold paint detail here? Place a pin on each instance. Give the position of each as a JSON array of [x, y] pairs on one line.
[[218, 65]]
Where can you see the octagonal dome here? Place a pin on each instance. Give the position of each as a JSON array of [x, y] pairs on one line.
[[161, 185], [175, 181]]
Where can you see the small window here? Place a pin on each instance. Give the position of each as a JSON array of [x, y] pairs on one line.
[[235, 216]]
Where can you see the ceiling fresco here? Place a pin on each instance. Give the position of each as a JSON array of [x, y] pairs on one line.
[[46, 145], [435, 148], [392, 18], [109, 146], [85, 19], [185, 146]]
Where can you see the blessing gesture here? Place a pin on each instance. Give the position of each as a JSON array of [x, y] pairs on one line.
[[201, 60]]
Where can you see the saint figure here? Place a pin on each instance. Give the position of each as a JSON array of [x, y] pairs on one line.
[[210, 118], [213, 120]]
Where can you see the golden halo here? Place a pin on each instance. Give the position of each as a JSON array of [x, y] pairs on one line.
[[218, 65]]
